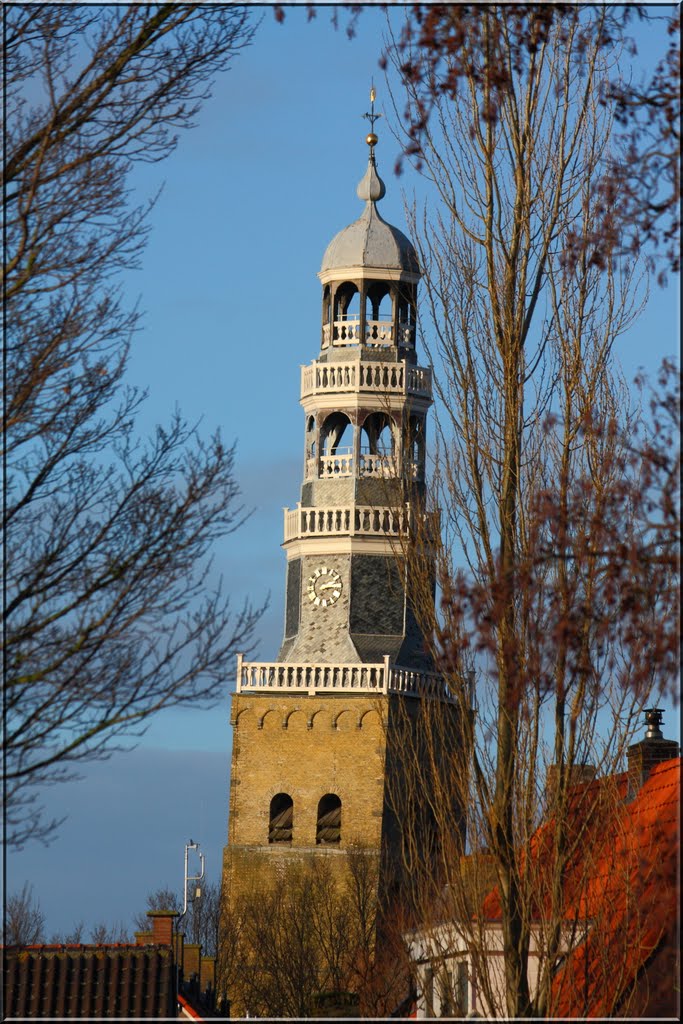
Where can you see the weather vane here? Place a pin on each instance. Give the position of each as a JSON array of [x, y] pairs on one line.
[[371, 138]]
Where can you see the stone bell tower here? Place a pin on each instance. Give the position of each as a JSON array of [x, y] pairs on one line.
[[309, 764]]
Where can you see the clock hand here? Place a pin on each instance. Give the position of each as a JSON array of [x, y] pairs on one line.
[[328, 586]]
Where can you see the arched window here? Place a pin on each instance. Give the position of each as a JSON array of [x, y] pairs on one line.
[[281, 819], [328, 832]]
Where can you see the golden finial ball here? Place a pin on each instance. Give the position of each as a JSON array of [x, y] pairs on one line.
[[371, 139]]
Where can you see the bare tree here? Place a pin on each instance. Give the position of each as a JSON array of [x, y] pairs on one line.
[[73, 937], [637, 190], [541, 499], [110, 614], [317, 930], [103, 934], [205, 914], [24, 921], [200, 924], [163, 898]]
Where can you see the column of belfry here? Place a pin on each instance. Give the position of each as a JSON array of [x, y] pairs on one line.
[[311, 730]]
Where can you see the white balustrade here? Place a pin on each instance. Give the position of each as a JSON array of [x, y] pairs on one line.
[[419, 380], [314, 677], [335, 466], [390, 378], [335, 376], [378, 465], [406, 334], [308, 379], [382, 377], [349, 520], [408, 680], [379, 333], [346, 331], [338, 466]]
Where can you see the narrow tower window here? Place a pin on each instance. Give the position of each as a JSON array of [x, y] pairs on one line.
[[281, 819], [329, 821]]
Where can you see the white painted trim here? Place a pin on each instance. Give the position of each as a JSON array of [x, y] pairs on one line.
[[340, 545], [367, 274]]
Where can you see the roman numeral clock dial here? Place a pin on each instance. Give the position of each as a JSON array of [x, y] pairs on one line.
[[324, 586]]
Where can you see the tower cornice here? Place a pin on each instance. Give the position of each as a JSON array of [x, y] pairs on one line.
[[361, 273]]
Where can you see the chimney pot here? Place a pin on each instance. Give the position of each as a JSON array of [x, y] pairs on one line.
[[653, 717]]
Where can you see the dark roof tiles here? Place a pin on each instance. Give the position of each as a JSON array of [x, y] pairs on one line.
[[89, 981]]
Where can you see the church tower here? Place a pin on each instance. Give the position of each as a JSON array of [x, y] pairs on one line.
[[310, 730]]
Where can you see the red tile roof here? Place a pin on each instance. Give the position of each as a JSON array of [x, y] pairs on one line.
[[622, 879], [633, 900]]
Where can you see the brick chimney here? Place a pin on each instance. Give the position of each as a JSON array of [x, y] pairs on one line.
[[162, 926], [653, 750]]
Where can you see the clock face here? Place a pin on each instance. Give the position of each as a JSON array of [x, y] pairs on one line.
[[324, 586]]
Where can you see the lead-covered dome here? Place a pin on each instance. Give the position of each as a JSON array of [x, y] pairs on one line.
[[370, 241]]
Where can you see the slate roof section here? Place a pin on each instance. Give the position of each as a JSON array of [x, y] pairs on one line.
[[112, 981], [372, 648], [370, 242]]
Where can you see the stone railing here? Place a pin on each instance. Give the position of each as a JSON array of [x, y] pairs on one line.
[[392, 378], [379, 465], [313, 677], [344, 332], [334, 466], [341, 464], [419, 381], [349, 520], [378, 333]]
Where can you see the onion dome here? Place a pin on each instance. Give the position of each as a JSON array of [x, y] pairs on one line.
[[370, 241]]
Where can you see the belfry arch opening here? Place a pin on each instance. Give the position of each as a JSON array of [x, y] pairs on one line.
[[377, 435], [415, 447], [336, 446], [336, 435], [346, 314], [328, 832], [281, 823], [379, 314], [310, 437], [406, 322], [326, 316]]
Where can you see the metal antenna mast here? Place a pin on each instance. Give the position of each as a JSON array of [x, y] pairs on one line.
[[192, 878]]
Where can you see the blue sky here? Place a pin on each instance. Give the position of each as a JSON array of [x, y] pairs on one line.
[[228, 283]]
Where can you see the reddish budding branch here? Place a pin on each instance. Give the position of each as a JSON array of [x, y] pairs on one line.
[[442, 46]]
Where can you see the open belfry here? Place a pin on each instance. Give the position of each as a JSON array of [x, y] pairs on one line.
[[311, 730]]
